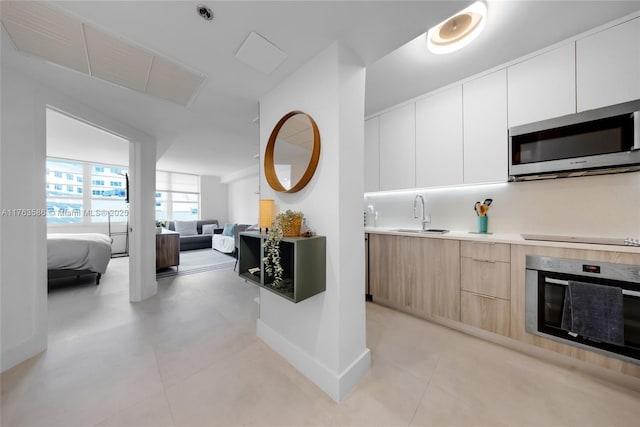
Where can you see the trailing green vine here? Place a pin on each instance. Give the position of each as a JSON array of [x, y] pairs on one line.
[[271, 260]]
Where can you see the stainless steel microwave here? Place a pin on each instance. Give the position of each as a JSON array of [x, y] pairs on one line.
[[605, 140]]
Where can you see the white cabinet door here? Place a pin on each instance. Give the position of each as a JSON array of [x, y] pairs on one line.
[[372, 155], [485, 129], [542, 87], [439, 139], [397, 148], [608, 66]]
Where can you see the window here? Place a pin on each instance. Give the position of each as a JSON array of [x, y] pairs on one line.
[[177, 196], [108, 192], [185, 206], [162, 209], [76, 192], [63, 206]]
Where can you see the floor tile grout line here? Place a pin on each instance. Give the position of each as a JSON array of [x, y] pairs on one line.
[[424, 392], [162, 379]]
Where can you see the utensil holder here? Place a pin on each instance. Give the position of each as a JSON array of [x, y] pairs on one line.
[[483, 222]]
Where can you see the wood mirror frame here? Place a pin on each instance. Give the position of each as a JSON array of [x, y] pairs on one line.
[[269, 164]]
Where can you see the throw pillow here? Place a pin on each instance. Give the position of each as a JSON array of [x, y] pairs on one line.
[[208, 228], [228, 230], [187, 228]]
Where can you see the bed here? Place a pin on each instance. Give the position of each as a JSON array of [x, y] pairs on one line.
[[77, 254]]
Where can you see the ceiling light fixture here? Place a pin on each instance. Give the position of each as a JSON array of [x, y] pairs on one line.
[[205, 12], [459, 30]]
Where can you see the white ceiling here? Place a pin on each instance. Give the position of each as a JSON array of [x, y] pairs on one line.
[[216, 134], [68, 138]]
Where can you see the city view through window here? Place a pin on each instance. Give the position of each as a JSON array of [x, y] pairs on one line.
[[79, 192]]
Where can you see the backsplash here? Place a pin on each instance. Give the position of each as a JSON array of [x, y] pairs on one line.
[[606, 205]]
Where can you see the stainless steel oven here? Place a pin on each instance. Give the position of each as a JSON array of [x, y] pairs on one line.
[[547, 281]]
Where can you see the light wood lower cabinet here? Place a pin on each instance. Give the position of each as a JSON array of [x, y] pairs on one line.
[[485, 283], [485, 312], [417, 275]]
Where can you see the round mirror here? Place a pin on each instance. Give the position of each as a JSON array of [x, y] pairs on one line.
[[292, 153]]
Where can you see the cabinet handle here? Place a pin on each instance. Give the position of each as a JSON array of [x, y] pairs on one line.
[[481, 260], [482, 295]]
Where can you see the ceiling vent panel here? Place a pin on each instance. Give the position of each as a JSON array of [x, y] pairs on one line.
[[118, 62], [44, 31], [40, 30], [260, 54], [170, 81]]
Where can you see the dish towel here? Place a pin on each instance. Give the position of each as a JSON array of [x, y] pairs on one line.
[[594, 311]]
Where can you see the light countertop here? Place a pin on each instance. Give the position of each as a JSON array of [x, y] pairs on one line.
[[508, 238]]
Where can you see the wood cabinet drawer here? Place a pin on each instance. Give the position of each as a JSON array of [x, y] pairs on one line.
[[486, 277], [488, 313], [486, 251]]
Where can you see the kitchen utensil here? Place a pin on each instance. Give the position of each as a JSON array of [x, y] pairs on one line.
[[484, 209], [476, 208], [487, 202]]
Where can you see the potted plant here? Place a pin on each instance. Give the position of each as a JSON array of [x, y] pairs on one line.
[[160, 225], [285, 224]]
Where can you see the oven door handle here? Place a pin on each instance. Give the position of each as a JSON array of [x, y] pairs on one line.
[[566, 283]]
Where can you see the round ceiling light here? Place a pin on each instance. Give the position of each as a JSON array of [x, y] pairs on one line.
[[459, 30], [205, 12]]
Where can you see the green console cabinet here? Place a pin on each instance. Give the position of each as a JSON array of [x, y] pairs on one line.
[[303, 260]]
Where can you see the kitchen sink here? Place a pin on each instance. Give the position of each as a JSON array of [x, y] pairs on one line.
[[418, 231]]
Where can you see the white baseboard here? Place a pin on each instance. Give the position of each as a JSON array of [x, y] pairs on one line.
[[13, 356], [336, 385]]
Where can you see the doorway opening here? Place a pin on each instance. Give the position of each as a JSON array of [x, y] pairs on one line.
[[87, 205]]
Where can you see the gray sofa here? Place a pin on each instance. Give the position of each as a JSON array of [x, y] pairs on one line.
[[199, 241]]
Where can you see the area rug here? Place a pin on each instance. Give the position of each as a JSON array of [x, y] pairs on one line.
[[198, 261]]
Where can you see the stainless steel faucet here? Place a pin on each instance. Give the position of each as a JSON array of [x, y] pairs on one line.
[[426, 219]]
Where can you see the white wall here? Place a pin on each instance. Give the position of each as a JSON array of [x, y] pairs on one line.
[[23, 277], [324, 336], [213, 199], [244, 200], [601, 206]]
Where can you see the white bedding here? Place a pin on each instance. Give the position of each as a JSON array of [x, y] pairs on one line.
[[78, 251], [222, 243]]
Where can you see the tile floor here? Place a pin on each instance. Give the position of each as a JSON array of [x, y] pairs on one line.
[[190, 357]]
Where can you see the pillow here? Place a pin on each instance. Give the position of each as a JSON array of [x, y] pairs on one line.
[[187, 228], [208, 228], [228, 230]]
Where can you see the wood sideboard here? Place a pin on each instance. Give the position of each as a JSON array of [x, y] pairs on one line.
[[167, 249]]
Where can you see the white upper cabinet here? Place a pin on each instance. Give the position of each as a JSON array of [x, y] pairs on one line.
[[397, 148], [608, 66], [372, 154], [542, 87], [439, 139], [485, 129]]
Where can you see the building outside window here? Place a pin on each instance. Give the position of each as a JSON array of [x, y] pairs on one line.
[[63, 205], [108, 192], [73, 203], [177, 196]]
